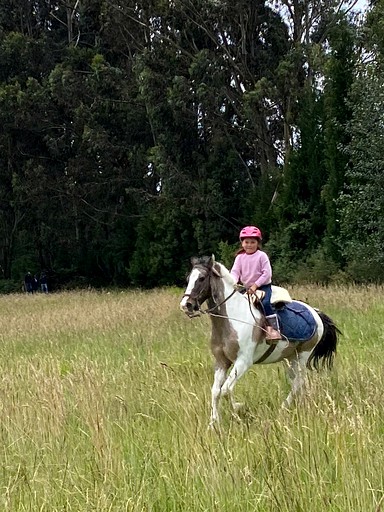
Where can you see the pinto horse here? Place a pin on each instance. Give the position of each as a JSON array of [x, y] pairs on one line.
[[238, 333]]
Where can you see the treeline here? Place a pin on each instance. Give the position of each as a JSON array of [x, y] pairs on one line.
[[134, 135]]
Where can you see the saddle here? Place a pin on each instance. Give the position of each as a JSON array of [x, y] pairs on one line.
[[295, 320], [279, 294]]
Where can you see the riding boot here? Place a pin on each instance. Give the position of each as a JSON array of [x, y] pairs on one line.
[[273, 332]]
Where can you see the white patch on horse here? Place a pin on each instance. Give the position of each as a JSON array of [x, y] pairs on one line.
[[194, 275]]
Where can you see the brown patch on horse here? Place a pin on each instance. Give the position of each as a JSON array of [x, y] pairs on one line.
[[224, 340], [289, 351], [259, 331], [260, 327], [307, 346]]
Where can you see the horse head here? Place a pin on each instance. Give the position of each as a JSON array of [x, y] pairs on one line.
[[200, 287]]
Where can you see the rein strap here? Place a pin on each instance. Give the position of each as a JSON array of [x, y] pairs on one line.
[[209, 310]]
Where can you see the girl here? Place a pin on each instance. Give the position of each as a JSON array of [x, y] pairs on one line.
[[253, 269]]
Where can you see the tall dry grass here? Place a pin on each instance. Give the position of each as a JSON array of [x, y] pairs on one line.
[[104, 403]]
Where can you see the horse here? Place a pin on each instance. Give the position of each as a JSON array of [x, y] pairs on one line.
[[238, 337]]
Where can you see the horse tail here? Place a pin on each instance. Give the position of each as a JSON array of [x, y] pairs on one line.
[[324, 352]]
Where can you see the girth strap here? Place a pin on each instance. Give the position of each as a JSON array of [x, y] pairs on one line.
[[266, 354]]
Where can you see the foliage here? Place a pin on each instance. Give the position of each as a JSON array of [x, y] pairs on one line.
[[9, 286], [337, 113], [226, 253], [136, 135], [361, 204], [317, 268]]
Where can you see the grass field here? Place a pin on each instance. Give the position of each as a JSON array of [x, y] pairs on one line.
[[104, 403]]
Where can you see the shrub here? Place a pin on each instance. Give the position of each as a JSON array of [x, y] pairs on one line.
[[10, 286], [364, 271]]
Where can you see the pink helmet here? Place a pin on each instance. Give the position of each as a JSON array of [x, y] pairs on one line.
[[250, 232]]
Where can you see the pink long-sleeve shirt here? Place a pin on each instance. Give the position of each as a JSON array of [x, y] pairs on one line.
[[252, 269]]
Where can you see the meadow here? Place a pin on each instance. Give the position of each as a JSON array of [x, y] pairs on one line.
[[104, 406]]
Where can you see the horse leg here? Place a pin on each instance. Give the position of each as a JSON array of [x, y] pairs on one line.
[[235, 405], [295, 370], [239, 368], [219, 378]]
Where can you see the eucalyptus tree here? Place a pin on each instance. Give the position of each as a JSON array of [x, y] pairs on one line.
[[201, 75], [361, 206], [231, 88], [169, 120], [23, 60], [323, 35], [68, 156]]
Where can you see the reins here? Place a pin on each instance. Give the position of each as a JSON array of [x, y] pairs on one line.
[[216, 306], [208, 311]]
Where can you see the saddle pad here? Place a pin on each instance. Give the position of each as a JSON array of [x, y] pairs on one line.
[[296, 322]]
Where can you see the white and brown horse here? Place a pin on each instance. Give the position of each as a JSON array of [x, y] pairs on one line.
[[238, 333]]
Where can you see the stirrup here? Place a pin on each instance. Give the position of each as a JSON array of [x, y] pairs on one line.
[[273, 321], [273, 330]]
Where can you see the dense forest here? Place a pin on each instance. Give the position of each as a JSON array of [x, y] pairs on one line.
[[136, 134]]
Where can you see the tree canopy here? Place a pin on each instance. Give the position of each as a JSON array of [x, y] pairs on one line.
[[136, 134]]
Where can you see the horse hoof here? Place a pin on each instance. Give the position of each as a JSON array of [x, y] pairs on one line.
[[285, 406], [214, 426], [236, 417], [237, 406]]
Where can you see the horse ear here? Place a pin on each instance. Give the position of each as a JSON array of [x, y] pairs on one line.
[[194, 261], [211, 260], [214, 269]]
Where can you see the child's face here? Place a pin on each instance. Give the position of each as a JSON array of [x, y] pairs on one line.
[[250, 245]]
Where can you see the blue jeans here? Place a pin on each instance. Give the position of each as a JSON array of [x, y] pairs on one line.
[[266, 302]]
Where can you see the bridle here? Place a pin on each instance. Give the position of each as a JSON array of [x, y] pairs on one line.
[[216, 306], [209, 311]]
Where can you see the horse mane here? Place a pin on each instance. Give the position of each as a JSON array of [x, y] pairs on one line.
[[219, 268], [224, 272]]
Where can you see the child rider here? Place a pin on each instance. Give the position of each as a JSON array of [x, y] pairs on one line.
[[253, 269]]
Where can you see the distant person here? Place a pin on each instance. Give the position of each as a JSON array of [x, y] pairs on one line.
[[44, 282], [28, 282], [35, 283]]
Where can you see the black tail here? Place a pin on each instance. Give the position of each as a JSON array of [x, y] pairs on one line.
[[324, 352]]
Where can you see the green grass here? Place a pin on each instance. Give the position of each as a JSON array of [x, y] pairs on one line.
[[104, 406]]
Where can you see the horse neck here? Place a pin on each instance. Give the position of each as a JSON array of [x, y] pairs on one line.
[[224, 289], [231, 305], [237, 303], [227, 280], [225, 275]]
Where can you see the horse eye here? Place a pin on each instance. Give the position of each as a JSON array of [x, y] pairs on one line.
[[201, 279]]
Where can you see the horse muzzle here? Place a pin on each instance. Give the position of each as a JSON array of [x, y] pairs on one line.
[[191, 310]]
